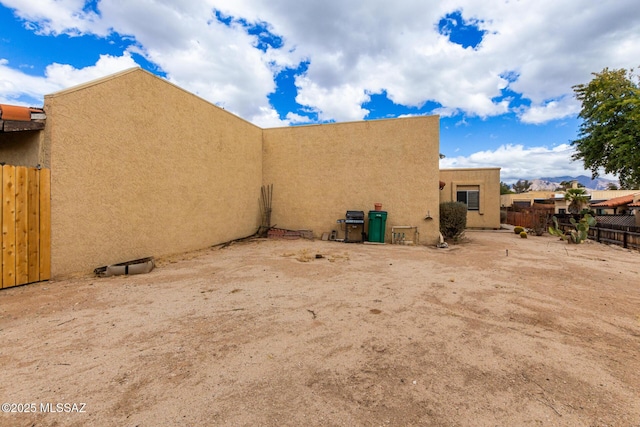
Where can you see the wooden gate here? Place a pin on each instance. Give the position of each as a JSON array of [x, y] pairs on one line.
[[26, 225]]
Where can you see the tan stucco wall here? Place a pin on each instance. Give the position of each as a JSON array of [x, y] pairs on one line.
[[319, 172], [488, 182], [610, 194], [506, 200], [561, 205], [25, 148], [143, 168]]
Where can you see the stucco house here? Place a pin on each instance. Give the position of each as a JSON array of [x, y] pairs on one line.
[[528, 199], [479, 189], [613, 202], [140, 167], [628, 204]]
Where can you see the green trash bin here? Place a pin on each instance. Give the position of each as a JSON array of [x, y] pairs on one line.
[[377, 224]]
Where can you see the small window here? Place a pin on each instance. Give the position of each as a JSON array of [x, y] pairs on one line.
[[562, 211], [471, 198]]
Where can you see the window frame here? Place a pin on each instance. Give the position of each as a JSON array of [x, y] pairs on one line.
[[476, 205]]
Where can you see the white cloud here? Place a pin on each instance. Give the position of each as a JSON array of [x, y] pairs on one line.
[[344, 102], [268, 118], [64, 75], [548, 45], [551, 110], [199, 53], [58, 17], [363, 47], [17, 87], [519, 162], [294, 118]]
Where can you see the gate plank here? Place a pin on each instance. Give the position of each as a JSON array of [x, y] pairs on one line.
[[45, 224], [25, 225], [8, 226], [22, 234], [34, 225]]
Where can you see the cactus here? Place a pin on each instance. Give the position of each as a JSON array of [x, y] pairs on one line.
[[555, 230], [518, 230], [581, 232], [523, 234]]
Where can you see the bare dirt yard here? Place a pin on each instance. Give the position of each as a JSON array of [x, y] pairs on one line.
[[315, 333]]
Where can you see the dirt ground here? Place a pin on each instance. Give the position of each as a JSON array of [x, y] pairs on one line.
[[497, 331]]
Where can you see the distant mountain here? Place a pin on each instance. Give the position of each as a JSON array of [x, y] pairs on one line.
[[553, 183]]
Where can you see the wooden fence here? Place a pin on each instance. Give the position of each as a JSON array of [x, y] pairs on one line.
[[530, 217], [26, 225], [625, 236], [522, 219]]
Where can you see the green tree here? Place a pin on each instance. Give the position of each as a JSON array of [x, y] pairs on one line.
[[609, 136], [577, 197], [612, 186], [521, 186], [505, 188], [630, 184]]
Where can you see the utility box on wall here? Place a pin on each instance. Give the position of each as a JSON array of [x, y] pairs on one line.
[[377, 224]]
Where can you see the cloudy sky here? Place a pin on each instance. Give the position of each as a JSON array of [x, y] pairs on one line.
[[498, 72]]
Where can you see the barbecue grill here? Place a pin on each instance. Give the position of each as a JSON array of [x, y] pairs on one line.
[[353, 221]]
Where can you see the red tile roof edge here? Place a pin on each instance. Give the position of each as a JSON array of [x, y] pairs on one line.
[[615, 202], [17, 113]]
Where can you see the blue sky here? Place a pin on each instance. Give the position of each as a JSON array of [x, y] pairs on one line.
[[499, 73]]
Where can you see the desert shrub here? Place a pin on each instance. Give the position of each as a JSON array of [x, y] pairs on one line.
[[540, 223], [453, 219], [523, 234], [518, 230]]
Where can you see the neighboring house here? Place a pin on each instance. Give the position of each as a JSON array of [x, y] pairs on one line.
[[619, 210], [600, 196], [534, 198], [636, 209], [561, 205], [603, 202], [479, 189], [526, 200], [621, 205], [140, 167], [21, 135]]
